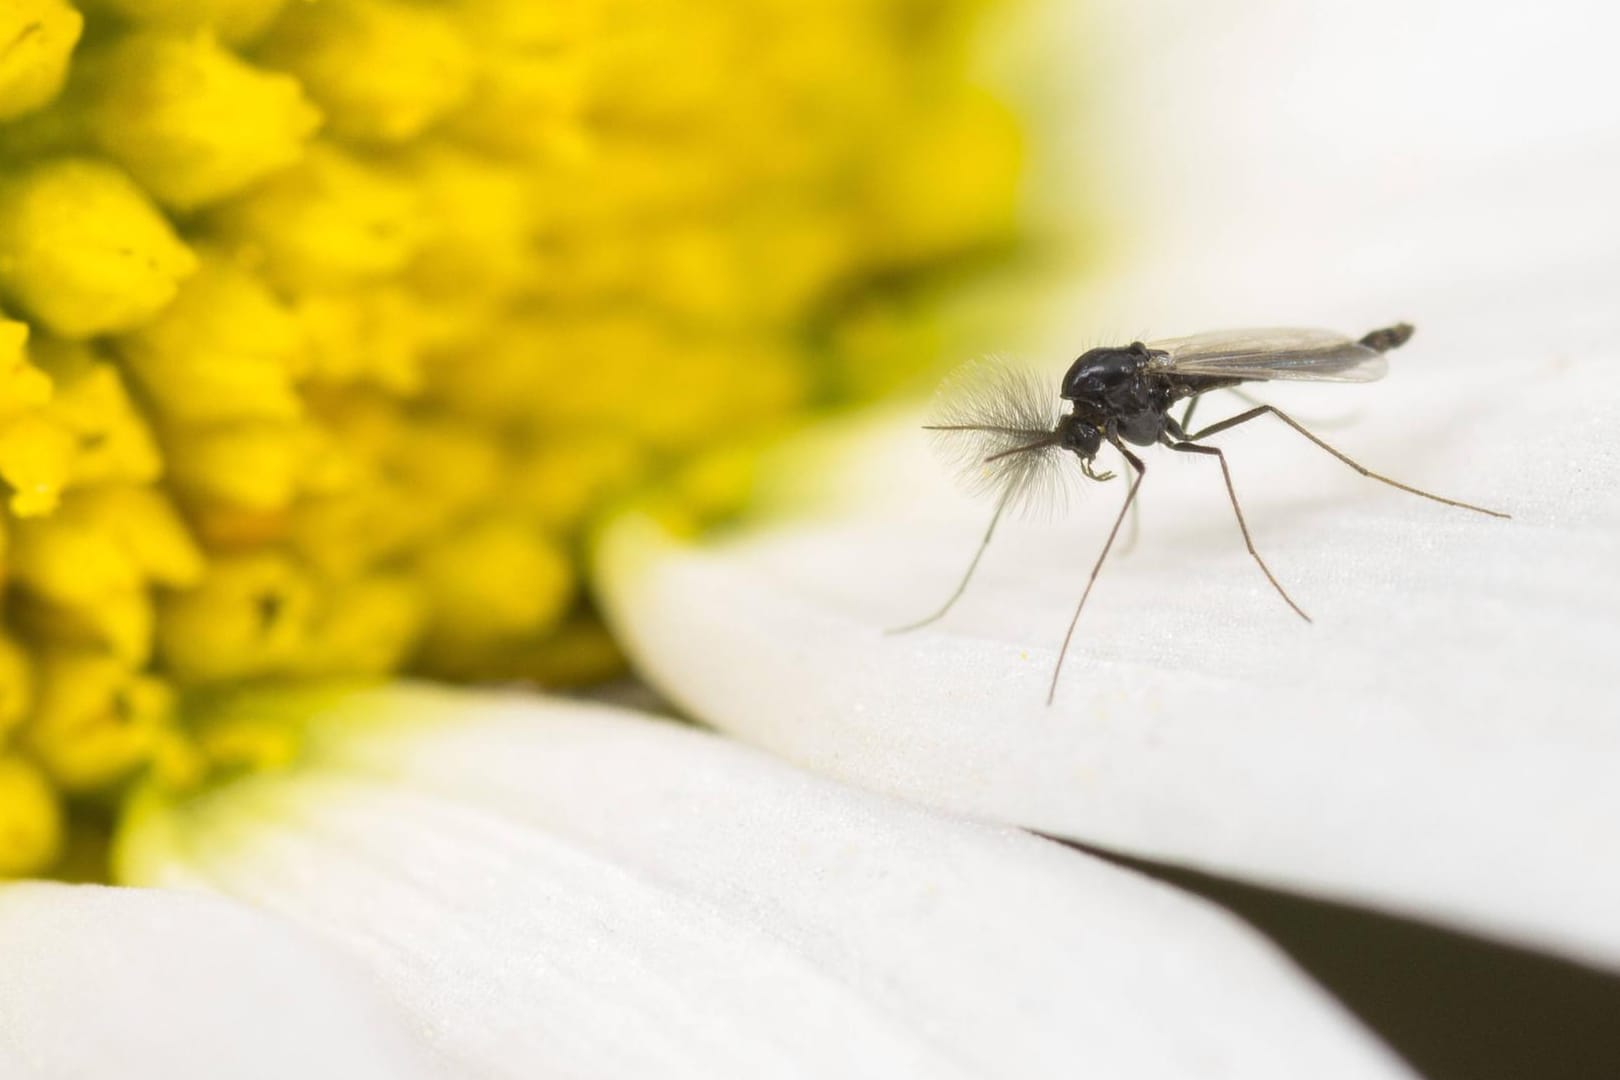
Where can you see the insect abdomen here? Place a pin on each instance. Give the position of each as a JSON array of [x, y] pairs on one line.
[[1390, 337]]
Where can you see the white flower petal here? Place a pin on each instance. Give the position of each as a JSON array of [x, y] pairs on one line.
[[1443, 741], [561, 889], [149, 983]]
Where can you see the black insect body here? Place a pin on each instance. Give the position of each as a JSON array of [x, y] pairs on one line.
[[1010, 435]]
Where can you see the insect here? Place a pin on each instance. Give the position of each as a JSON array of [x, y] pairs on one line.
[[1010, 436]]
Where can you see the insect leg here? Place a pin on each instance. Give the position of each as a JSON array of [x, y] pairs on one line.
[[1135, 531], [1243, 418], [1001, 505], [1130, 497], [1243, 526], [1186, 417]]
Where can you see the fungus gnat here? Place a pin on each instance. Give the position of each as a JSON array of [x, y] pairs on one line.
[[1009, 434]]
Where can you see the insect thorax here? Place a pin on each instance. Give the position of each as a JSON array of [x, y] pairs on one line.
[[1115, 387]]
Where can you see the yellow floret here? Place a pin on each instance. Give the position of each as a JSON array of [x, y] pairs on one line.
[[110, 436], [264, 614], [523, 24], [225, 349], [190, 120], [30, 819], [36, 462], [372, 335], [81, 583], [562, 482], [489, 582], [257, 466], [482, 219], [382, 69], [16, 684], [36, 39], [85, 570], [232, 20], [413, 477], [366, 626], [146, 526], [22, 385], [344, 534], [96, 720], [250, 615], [449, 467], [630, 40], [177, 762], [532, 63], [331, 222], [83, 250]]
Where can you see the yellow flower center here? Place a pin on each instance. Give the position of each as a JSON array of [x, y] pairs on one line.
[[328, 325]]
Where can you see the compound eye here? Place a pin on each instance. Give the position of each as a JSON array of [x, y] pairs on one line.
[[1138, 348]]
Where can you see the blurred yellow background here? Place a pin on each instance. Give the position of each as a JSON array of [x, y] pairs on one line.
[[330, 325]]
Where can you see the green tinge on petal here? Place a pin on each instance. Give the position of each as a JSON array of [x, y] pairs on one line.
[[237, 737]]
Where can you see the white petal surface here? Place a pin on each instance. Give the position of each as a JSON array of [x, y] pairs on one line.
[[101, 982], [561, 889], [1444, 740]]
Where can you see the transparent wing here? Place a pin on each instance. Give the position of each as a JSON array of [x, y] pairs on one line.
[[1284, 353], [992, 422]]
